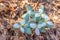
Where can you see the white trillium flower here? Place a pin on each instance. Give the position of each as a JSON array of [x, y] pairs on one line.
[[22, 30], [32, 25], [16, 25], [37, 32]]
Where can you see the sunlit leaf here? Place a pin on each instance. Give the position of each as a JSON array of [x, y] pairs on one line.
[[22, 30], [41, 24], [37, 32], [42, 29], [26, 18], [32, 14], [24, 15], [36, 19], [32, 25], [45, 16], [22, 22], [37, 15], [28, 30], [28, 8], [41, 9], [49, 24], [16, 25]]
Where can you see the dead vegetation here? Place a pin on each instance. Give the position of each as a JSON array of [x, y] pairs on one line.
[[11, 11]]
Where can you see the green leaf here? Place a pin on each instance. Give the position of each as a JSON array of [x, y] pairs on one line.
[[24, 15], [27, 18], [37, 15], [22, 30], [32, 14], [37, 32], [36, 19], [33, 25], [41, 9], [43, 29], [27, 25], [28, 30], [28, 8], [49, 24], [22, 22], [45, 16], [41, 24]]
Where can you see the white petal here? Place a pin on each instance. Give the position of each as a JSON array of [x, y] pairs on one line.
[[22, 22], [32, 25], [16, 25], [22, 30], [37, 32]]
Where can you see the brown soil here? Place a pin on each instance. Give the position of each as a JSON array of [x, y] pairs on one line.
[[12, 10]]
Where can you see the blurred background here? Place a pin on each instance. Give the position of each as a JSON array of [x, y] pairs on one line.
[[12, 10]]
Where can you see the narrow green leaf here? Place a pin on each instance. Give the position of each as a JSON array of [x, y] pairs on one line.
[[33, 25], [45, 16], [37, 32], [28, 30], [28, 8], [22, 30], [26, 18], [32, 14], [41, 24], [24, 15], [41, 9], [43, 29], [49, 24], [36, 19], [22, 22]]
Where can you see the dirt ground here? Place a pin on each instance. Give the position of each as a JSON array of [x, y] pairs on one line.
[[12, 10]]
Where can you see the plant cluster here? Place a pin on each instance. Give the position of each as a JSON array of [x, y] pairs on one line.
[[36, 20]]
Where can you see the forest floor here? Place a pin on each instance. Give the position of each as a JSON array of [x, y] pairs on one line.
[[12, 10]]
